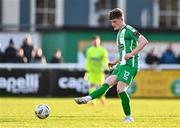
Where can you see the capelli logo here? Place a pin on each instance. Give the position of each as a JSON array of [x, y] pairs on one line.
[[79, 84], [27, 84]]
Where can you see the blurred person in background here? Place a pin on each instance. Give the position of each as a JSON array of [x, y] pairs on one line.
[[95, 66], [129, 42], [152, 57], [168, 56], [20, 58], [178, 59], [10, 52], [57, 57], [38, 56], [1, 55], [27, 47]]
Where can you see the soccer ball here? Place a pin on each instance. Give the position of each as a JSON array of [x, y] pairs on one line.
[[42, 111]]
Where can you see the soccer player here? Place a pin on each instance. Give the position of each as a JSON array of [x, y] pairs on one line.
[[129, 42], [96, 64]]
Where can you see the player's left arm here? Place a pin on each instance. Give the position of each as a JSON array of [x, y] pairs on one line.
[[142, 42]]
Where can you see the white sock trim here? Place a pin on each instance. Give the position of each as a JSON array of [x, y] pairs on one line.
[[88, 98]]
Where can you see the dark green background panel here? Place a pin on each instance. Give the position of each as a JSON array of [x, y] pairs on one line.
[[68, 41]]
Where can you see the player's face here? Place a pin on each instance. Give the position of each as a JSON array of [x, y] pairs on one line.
[[96, 42], [117, 23]]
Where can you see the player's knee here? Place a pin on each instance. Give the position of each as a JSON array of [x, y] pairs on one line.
[[110, 83], [111, 80], [121, 87], [93, 85], [120, 90]]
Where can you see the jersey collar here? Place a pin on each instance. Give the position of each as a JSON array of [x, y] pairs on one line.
[[122, 27]]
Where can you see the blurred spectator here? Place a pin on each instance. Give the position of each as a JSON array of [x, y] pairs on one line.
[[178, 59], [57, 58], [38, 57], [168, 57], [10, 52], [151, 57], [27, 47], [20, 58], [1, 55]]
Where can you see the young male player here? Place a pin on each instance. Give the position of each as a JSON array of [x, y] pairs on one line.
[[129, 42]]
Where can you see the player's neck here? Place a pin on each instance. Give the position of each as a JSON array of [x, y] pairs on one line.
[[96, 46], [122, 26]]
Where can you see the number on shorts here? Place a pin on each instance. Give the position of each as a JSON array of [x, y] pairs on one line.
[[126, 75]]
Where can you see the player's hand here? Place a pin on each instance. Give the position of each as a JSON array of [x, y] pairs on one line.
[[111, 64], [128, 55], [85, 76]]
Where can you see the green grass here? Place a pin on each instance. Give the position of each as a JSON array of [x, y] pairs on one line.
[[148, 113]]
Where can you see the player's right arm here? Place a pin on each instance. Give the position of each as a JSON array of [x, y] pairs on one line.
[[136, 36], [142, 42]]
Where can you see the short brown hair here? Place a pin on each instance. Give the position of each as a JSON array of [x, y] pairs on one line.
[[116, 14], [95, 37]]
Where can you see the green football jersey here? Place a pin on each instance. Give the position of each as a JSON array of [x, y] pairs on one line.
[[127, 41]]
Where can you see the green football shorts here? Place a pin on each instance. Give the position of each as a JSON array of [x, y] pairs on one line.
[[125, 73]]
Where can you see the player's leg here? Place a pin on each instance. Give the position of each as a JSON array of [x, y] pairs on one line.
[[91, 78], [92, 89], [100, 81], [103, 99], [125, 77], [95, 80], [125, 100], [110, 81]]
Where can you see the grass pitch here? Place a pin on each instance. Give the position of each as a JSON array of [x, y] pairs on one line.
[[148, 113]]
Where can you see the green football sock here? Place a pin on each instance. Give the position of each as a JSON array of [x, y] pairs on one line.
[[92, 89], [125, 103], [99, 92]]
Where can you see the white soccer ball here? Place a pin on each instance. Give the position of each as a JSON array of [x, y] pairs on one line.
[[42, 111]]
